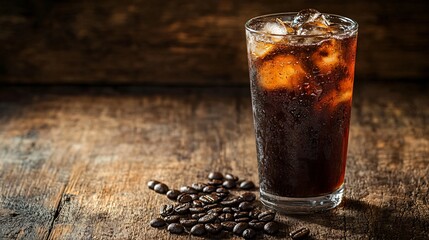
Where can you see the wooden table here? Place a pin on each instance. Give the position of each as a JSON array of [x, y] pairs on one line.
[[74, 161]]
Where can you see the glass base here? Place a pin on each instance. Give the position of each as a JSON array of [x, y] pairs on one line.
[[308, 205]]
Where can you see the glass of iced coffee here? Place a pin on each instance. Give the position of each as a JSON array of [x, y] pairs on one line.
[[301, 68]]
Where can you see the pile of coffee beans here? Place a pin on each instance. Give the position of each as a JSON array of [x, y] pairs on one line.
[[210, 209]]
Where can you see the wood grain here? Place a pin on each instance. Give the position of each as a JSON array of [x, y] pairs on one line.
[[74, 162], [186, 42]]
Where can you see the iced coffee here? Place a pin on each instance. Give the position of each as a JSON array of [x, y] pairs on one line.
[[301, 69]]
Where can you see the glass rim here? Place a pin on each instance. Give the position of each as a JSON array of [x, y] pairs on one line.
[[353, 28]]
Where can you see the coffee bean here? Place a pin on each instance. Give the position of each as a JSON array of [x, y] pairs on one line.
[[215, 176], [246, 206], [151, 184], [213, 228], [215, 182], [227, 210], [198, 186], [184, 198], [236, 209], [188, 222], [198, 230], [197, 203], [271, 228], [187, 189], [208, 218], [209, 189], [229, 184], [209, 199], [300, 233], [210, 206], [160, 188], [248, 196], [229, 176], [257, 225], [182, 208], [239, 228], [172, 219], [196, 210], [222, 190], [254, 213], [217, 210], [249, 233], [266, 216], [231, 202], [175, 228], [198, 215], [229, 226], [247, 185], [241, 214], [194, 196], [222, 195], [157, 222], [244, 219], [166, 210], [173, 194], [224, 217]]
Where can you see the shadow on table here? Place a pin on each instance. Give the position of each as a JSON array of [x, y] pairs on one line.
[[375, 222]]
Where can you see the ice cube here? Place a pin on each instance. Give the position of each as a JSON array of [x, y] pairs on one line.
[[286, 25], [345, 93], [313, 28], [281, 72], [309, 16], [335, 97], [274, 28], [337, 28], [327, 57], [258, 48], [310, 22], [345, 96]]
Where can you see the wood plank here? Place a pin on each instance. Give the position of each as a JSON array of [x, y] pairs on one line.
[[102, 146], [33, 171], [186, 42]]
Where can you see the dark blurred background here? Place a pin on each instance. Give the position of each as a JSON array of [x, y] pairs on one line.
[[187, 43]]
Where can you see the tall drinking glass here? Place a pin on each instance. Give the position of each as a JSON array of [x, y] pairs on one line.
[[301, 68]]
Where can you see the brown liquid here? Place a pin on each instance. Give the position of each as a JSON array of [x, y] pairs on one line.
[[301, 99]]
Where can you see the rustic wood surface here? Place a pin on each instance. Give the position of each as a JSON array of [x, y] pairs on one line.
[[187, 41], [74, 161]]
